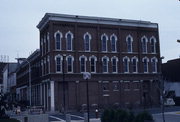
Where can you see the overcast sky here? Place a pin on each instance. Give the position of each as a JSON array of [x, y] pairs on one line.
[[18, 19]]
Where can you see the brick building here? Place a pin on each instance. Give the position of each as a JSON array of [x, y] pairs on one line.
[[123, 57]]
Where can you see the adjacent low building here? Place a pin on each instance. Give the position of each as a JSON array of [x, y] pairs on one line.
[[123, 57]]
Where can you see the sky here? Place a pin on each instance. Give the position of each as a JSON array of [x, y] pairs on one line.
[[19, 36]]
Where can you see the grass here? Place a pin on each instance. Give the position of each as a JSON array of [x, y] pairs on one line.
[[9, 120]]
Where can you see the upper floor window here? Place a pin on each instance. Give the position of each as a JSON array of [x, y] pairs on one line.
[[129, 41], [126, 64], [153, 44], [48, 41], [83, 60], [69, 39], [105, 61], [145, 64], [58, 63], [114, 61], [58, 36], [93, 60], [104, 39], [154, 64], [144, 44], [113, 43], [69, 60], [87, 38], [134, 64]]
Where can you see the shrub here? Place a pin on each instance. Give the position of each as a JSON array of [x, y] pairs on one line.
[[141, 117], [9, 120]]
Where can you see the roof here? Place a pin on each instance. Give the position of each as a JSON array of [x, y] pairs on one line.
[[94, 20]]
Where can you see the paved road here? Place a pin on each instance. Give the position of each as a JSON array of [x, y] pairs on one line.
[[169, 117]]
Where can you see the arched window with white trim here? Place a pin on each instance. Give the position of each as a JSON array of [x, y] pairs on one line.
[[105, 61], [126, 61], [58, 60], [129, 41], [113, 39], [134, 61], [153, 44], [154, 64], [70, 60], [144, 41], [58, 35], [69, 41], [82, 60], [114, 61], [87, 42], [93, 60], [104, 39], [145, 64]]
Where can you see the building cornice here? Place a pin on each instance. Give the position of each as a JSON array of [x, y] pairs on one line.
[[93, 20]]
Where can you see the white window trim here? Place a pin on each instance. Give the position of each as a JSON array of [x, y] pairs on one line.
[[128, 63], [144, 37], [71, 63], [129, 36], [84, 63], [56, 62], [72, 37], [61, 36], [106, 42], [136, 63], [113, 35], [154, 58], [154, 44], [95, 59], [114, 57], [48, 41], [90, 37], [107, 64], [147, 64]]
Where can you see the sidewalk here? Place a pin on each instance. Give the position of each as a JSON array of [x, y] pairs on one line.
[[91, 120]]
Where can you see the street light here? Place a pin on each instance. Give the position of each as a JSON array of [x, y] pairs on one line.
[[63, 76], [87, 76]]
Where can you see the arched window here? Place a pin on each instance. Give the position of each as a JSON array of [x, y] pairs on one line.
[[129, 41], [145, 64], [104, 39], [70, 60], [69, 38], [126, 64], [58, 36], [93, 60], [82, 60], [153, 44], [87, 38], [105, 61], [113, 43], [58, 59], [114, 61], [144, 44], [154, 64], [134, 61]]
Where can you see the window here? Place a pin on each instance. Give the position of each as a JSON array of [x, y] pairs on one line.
[[114, 61], [105, 60], [153, 44], [113, 43], [87, 38], [126, 64], [83, 60], [145, 64], [58, 36], [144, 44], [129, 41], [93, 60], [134, 64], [69, 38], [154, 65], [48, 59], [105, 86], [58, 60], [48, 40], [115, 86], [104, 39], [69, 60]]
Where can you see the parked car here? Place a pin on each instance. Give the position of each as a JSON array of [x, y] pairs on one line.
[[169, 102]]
